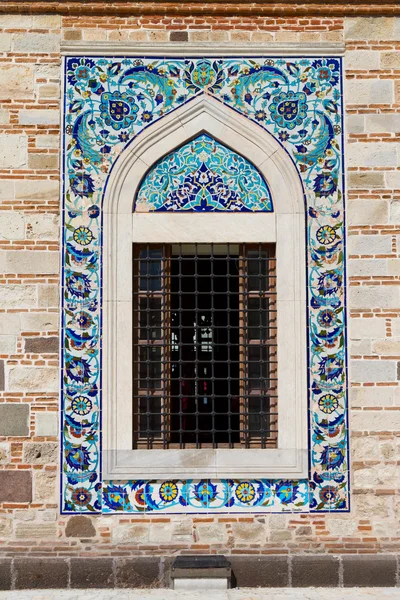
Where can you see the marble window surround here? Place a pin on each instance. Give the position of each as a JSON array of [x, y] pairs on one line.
[[286, 227]]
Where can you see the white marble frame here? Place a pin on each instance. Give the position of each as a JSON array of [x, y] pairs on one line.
[[286, 226]]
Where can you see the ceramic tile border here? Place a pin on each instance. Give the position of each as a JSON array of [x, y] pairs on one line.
[[313, 137]]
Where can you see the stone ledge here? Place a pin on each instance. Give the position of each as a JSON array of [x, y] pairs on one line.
[[311, 570]]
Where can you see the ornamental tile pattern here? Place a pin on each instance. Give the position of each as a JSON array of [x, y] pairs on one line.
[[204, 176], [108, 102]]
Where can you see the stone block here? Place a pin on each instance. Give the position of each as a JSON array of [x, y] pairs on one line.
[[40, 573], [160, 533], [42, 345], [365, 180], [139, 572], [5, 573], [387, 347], [394, 212], [49, 90], [369, 91], [248, 532], [355, 123], [179, 36], [2, 376], [14, 419], [369, 244], [38, 453], [45, 487], [36, 379], [315, 571], [42, 43], [39, 117], [260, 571], [43, 227], [8, 344], [135, 534], [392, 179], [33, 262], [199, 36], [46, 21], [261, 36], [6, 527], [367, 328], [15, 486], [46, 321], [46, 424], [387, 123], [362, 60], [211, 533], [390, 60], [379, 420], [47, 141], [15, 21], [369, 571], [367, 267], [368, 397], [92, 573], [368, 212], [5, 42], [4, 453], [49, 296], [360, 347], [37, 190], [369, 28], [18, 296], [13, 151], [16, 81], [6, 190], [80, 527], [42, 162], [373, 371], [4, 117], [371, 154], [12, 225]]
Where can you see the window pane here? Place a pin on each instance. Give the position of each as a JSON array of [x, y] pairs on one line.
[[150, 367], [259, 417], [150, 417], [150, 318], [258, 367], [258, 318], [257, 270], [150, 270]]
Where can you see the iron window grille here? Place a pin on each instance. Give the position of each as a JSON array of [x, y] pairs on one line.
[[205, 353]]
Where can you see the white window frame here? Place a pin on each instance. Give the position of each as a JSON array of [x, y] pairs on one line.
[[285, 227]]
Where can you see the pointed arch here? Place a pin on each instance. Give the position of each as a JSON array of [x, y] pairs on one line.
[[285, 226]]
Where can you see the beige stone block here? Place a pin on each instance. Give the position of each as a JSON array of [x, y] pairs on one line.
[[371, 371], [42, 162], [371, 154], [395, 212], [355, 123], [37, 190], [360, 347], [396, 327], [49, 296], [286, 36], [309, 36], [46, 321], [368, 60], [371, 505], [5, 42], [367, 267], [249, 533], [15, 21], [183, 530], [41, 453], [211, 533], [46, 21], [366, 180], [10, 323], [158, 35], [160, 533], [118, 35], [278, 522], [367, 328], [28, 531], [48, 71], [37, 379], [366, 478], [30, 261], [199, 36], [383, 123], [4, 117], [95, 35], [49, 90], [139, 35], [4, 455], [333, 36], [390, 60], [6, 527], [134, 534], [12, 225], [46, 424], [8, 344], [379, 420], [42, 227], [392, 179], [16, 81], [387, 347], [43, 43], [285, 535], [39, 117], [393, 266], [45, 487], [72, 34], [362, 447], [368, 397], [368, 212], [261, 36], [219, 36], [13, 151], [369, 28], [6, 190], [341, 526], [369, 91], [369, 244], [18, 296], [47, 141]]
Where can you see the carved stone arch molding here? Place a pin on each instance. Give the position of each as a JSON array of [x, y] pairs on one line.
[[308, 471]]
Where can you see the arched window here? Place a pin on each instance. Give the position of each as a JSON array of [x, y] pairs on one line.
[[207, 212]]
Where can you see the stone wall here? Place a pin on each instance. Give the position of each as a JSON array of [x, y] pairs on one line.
[[30, 524]]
